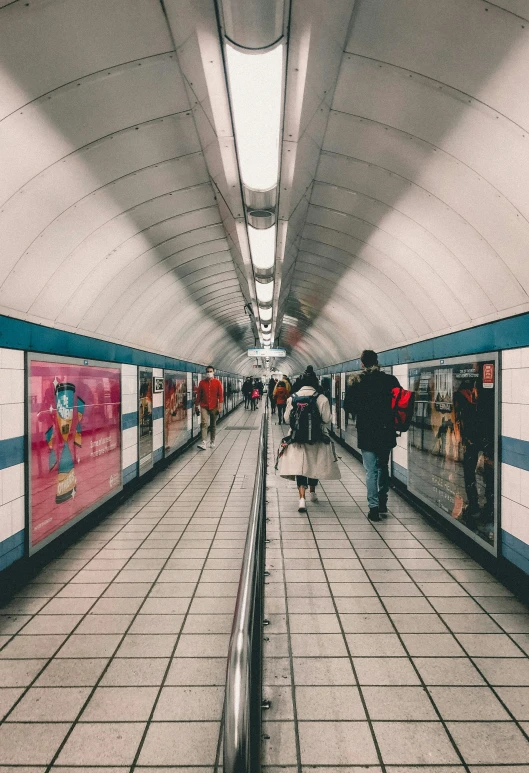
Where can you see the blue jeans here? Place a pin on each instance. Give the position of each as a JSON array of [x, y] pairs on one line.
[[376, 465]]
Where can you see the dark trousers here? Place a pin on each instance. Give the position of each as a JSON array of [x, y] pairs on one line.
[[302, 480], [281, 413]]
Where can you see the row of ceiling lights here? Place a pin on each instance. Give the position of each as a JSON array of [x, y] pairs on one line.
[[255, 58]]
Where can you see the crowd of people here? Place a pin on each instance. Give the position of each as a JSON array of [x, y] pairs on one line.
[[307, 453]]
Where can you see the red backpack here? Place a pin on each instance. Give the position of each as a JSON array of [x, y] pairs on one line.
[[402, 404]]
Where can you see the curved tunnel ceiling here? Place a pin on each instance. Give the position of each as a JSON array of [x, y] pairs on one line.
[[404, 204]]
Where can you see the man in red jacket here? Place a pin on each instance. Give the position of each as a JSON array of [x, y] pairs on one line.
[[209, 398]]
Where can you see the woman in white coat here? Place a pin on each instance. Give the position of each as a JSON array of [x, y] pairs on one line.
[[309, 463]]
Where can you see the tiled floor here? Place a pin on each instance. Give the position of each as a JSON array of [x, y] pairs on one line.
[[115, 655], [389, 649]]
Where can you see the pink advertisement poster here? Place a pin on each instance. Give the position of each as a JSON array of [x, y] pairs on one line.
[[75, 442]]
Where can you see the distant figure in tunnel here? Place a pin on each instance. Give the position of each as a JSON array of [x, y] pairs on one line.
[[207, 402], [247, 391], [307, 454], [368, 399]]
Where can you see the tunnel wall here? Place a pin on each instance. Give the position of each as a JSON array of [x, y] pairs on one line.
[[509, 338], [21, 344]]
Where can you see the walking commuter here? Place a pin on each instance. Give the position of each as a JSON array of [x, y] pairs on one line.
[[309, 371], [368, 399], [208, 400], [307, 454], [271, 387], [288, 384], [255, 396], [281, 397], [247, 391]]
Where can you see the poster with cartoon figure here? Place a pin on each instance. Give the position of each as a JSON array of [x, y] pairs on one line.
[[75, 442], [452, 455]]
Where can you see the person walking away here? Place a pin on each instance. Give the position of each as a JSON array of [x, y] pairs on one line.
[[207, 402], [260, 387], [255, 396], [368, 399], [247, 391], [281, 397], [309, 456], [288, 385], [309, 371], [271, 387]]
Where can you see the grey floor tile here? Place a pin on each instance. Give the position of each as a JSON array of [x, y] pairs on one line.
[[27, 647], [318, 645], [276, 671], [467, 703], [102, 743], [385, 671], [281, 704], [489, 645], [201, 671], [328, 703], [157, 624], [134, 672], [180, 743], [432, 645], [120, 704], [147, 645], [490, 742], [51, 624], [30, 744], [89, 646], [375, 645], [517, 700], [398, 703], [101, 624], [8, 697], [72, 672], [448, 671], [19, 673], [50, 704], [346, 743], [191, 703], [414, 743], [313, 623], [504, 671], [366, 623], [279, 744]]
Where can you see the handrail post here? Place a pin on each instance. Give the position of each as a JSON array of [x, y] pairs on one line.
[[242, 701]]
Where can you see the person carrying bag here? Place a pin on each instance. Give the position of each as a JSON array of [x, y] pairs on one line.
[[307, 454]]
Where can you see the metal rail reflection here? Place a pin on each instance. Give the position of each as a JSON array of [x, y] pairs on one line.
[[242, 703]]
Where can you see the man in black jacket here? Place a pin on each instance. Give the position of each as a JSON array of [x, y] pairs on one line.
[[368, 400]]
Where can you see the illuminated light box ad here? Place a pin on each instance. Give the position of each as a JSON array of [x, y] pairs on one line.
[[452, 442], [175, 410], [74, 424]]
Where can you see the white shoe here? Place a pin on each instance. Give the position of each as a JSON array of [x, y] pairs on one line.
[[212, 445], [202, 446], [313, 496], [302, 508]]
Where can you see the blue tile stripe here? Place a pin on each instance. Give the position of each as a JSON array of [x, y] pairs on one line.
[[11, 452], [130, 472], [510, 333], [19, 334], [129, 420], [157, 455], [11, 550], [515, 452], [157, 413], [514, 550]]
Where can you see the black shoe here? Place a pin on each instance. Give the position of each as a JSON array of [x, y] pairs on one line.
[[383, 506], [374, 514]]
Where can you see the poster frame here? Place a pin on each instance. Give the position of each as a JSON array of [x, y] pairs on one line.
[[494, 549], [148, 466], [36, 357]]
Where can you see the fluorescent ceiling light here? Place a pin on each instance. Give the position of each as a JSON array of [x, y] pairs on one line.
[[262, 246], [265, 314], [256, 91], [266, 327], [267, 337], [264, 292]]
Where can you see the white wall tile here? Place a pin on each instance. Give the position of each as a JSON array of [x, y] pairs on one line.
[[12, 359], [525, 356], [511, 482], [511, 423], [506, 514], [5, 521], [18, 515], [506, 386], [516, 385], [129, 437], [129, 370], [524, 488], [12, 421], [12, 483], [158, 372], [511, 358], [129, 456], [129, 403]]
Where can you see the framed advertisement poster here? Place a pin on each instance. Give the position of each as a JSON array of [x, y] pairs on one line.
[[145, 427], [175, 410], [453, 442], [74, 427]]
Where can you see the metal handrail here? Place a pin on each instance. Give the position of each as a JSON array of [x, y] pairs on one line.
[[242, 702]]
